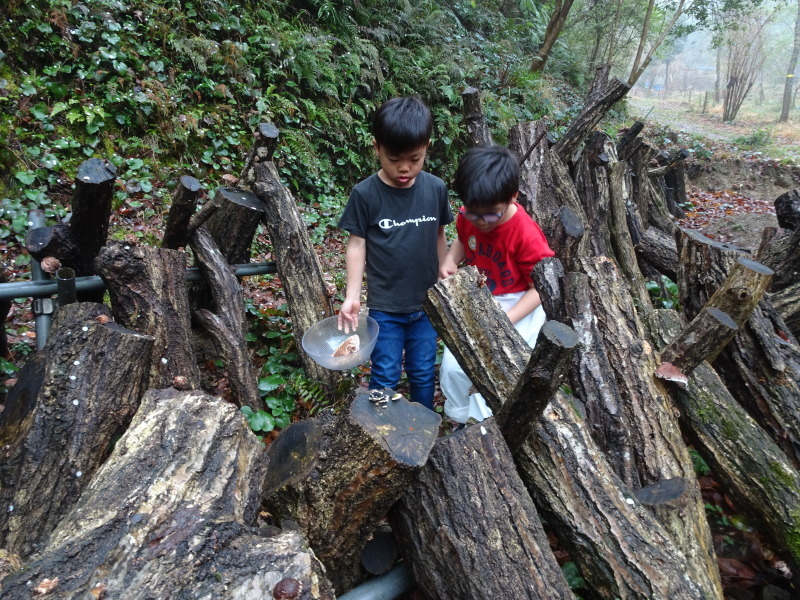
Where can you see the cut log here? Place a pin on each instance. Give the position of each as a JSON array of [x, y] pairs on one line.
[[621, 549], [703, 339], [591, 114], [184, 204], [621, 240], [478, 333], [787, 209], [233, 226], [650, 421], [227, 327], [787, 305], [657, 252], [648, 194], [295, 257], [760, 366], [780, 251], [629, 141], [469, 528], [565, 226], [147, 287], [77, 242], [548, 275], [752, 468], [591, 183], [171, 511], [59, 421], [543, 375], [338, 477], [478, 132]]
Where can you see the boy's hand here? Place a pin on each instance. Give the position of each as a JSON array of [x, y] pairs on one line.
[[447, 268], [348, 315]]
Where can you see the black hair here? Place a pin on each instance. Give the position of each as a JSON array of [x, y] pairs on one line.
[[487, 175], [402, 124]]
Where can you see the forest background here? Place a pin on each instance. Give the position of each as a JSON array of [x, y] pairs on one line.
[[163, 88]]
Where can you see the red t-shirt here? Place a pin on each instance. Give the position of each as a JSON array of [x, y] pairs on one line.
[[506, 255]]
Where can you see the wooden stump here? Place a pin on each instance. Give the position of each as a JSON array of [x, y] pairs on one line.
[[529, 142], [478, 132], [60, 419], [184, 204], [469, 528], [170, 514], [148, 294], [787, 305], [338, 477]]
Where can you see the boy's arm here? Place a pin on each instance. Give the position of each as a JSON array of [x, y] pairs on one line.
[[355, 259], [449, 266], [527, 304]]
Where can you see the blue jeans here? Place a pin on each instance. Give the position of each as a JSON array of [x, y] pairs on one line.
[[414, 334]]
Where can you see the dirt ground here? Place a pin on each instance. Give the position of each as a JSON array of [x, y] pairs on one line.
[[731, 186]]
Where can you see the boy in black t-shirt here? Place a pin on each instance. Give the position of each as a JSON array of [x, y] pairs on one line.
[[396, 220]]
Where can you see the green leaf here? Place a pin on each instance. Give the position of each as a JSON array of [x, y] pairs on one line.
[[247, 411], [27, 89], [58, 107], [271, 382], [39, 111], [26, 177], [262, 421]]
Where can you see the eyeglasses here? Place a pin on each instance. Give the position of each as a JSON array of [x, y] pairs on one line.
[[487, 218]]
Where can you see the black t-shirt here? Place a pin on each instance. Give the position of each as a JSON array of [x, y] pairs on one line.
[[401, 227]]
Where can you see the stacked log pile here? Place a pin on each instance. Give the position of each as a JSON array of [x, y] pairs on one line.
[[120, 478]]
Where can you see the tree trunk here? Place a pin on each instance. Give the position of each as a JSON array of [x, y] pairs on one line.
[[170, 514], [76, 243], [468, 527], [184, 204], [338, 477], [478, 132], [557, 19], [592, 185], [296, 259], [561, 216], [59, 421], [148, 294]]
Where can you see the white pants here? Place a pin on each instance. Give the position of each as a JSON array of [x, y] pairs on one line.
[[460, 405]]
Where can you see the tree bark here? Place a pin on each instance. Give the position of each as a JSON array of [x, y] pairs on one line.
[[148, 294], [592, 185], [630, 141], [296, 259], [564, 219], [789, 82], [780, 251], [529, 142], [338, 477], [478, 132], [469, 528], [171, 513], [233, 226], [184, 204], [60, 419], [657, 251]]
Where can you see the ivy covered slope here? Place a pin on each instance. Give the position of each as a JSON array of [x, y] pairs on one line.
[[165, 87]]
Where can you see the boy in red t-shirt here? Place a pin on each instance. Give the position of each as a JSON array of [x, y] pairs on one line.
[[497, 236]]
